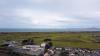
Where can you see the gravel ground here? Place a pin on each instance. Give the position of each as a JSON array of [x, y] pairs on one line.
[[67, 52], [17, 51], [78, 52]]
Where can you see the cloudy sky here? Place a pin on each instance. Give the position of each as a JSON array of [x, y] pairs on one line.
[[49, 13]]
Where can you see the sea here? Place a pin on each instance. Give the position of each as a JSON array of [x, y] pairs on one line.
[[30, 30], [46, 30]]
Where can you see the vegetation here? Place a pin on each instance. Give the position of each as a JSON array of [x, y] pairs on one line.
[[60, 39]]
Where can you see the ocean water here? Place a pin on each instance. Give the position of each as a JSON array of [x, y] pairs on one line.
[[31, 30], [47, 30]]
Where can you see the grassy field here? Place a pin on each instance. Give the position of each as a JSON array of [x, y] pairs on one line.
[[60, 39]]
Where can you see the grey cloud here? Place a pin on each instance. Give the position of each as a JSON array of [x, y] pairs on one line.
[[80, 9]]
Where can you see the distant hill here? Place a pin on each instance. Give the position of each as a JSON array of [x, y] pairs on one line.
[[83, 29]]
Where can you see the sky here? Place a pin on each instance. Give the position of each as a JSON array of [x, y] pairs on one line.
[[49, 14]]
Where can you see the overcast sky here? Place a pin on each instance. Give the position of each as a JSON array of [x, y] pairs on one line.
[[49, 13]]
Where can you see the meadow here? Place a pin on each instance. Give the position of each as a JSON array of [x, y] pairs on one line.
[[60, 39]]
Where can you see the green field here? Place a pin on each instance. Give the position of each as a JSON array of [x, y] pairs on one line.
[[60, 39]]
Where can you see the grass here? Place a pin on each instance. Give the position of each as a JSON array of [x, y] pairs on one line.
[[60, 39]]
